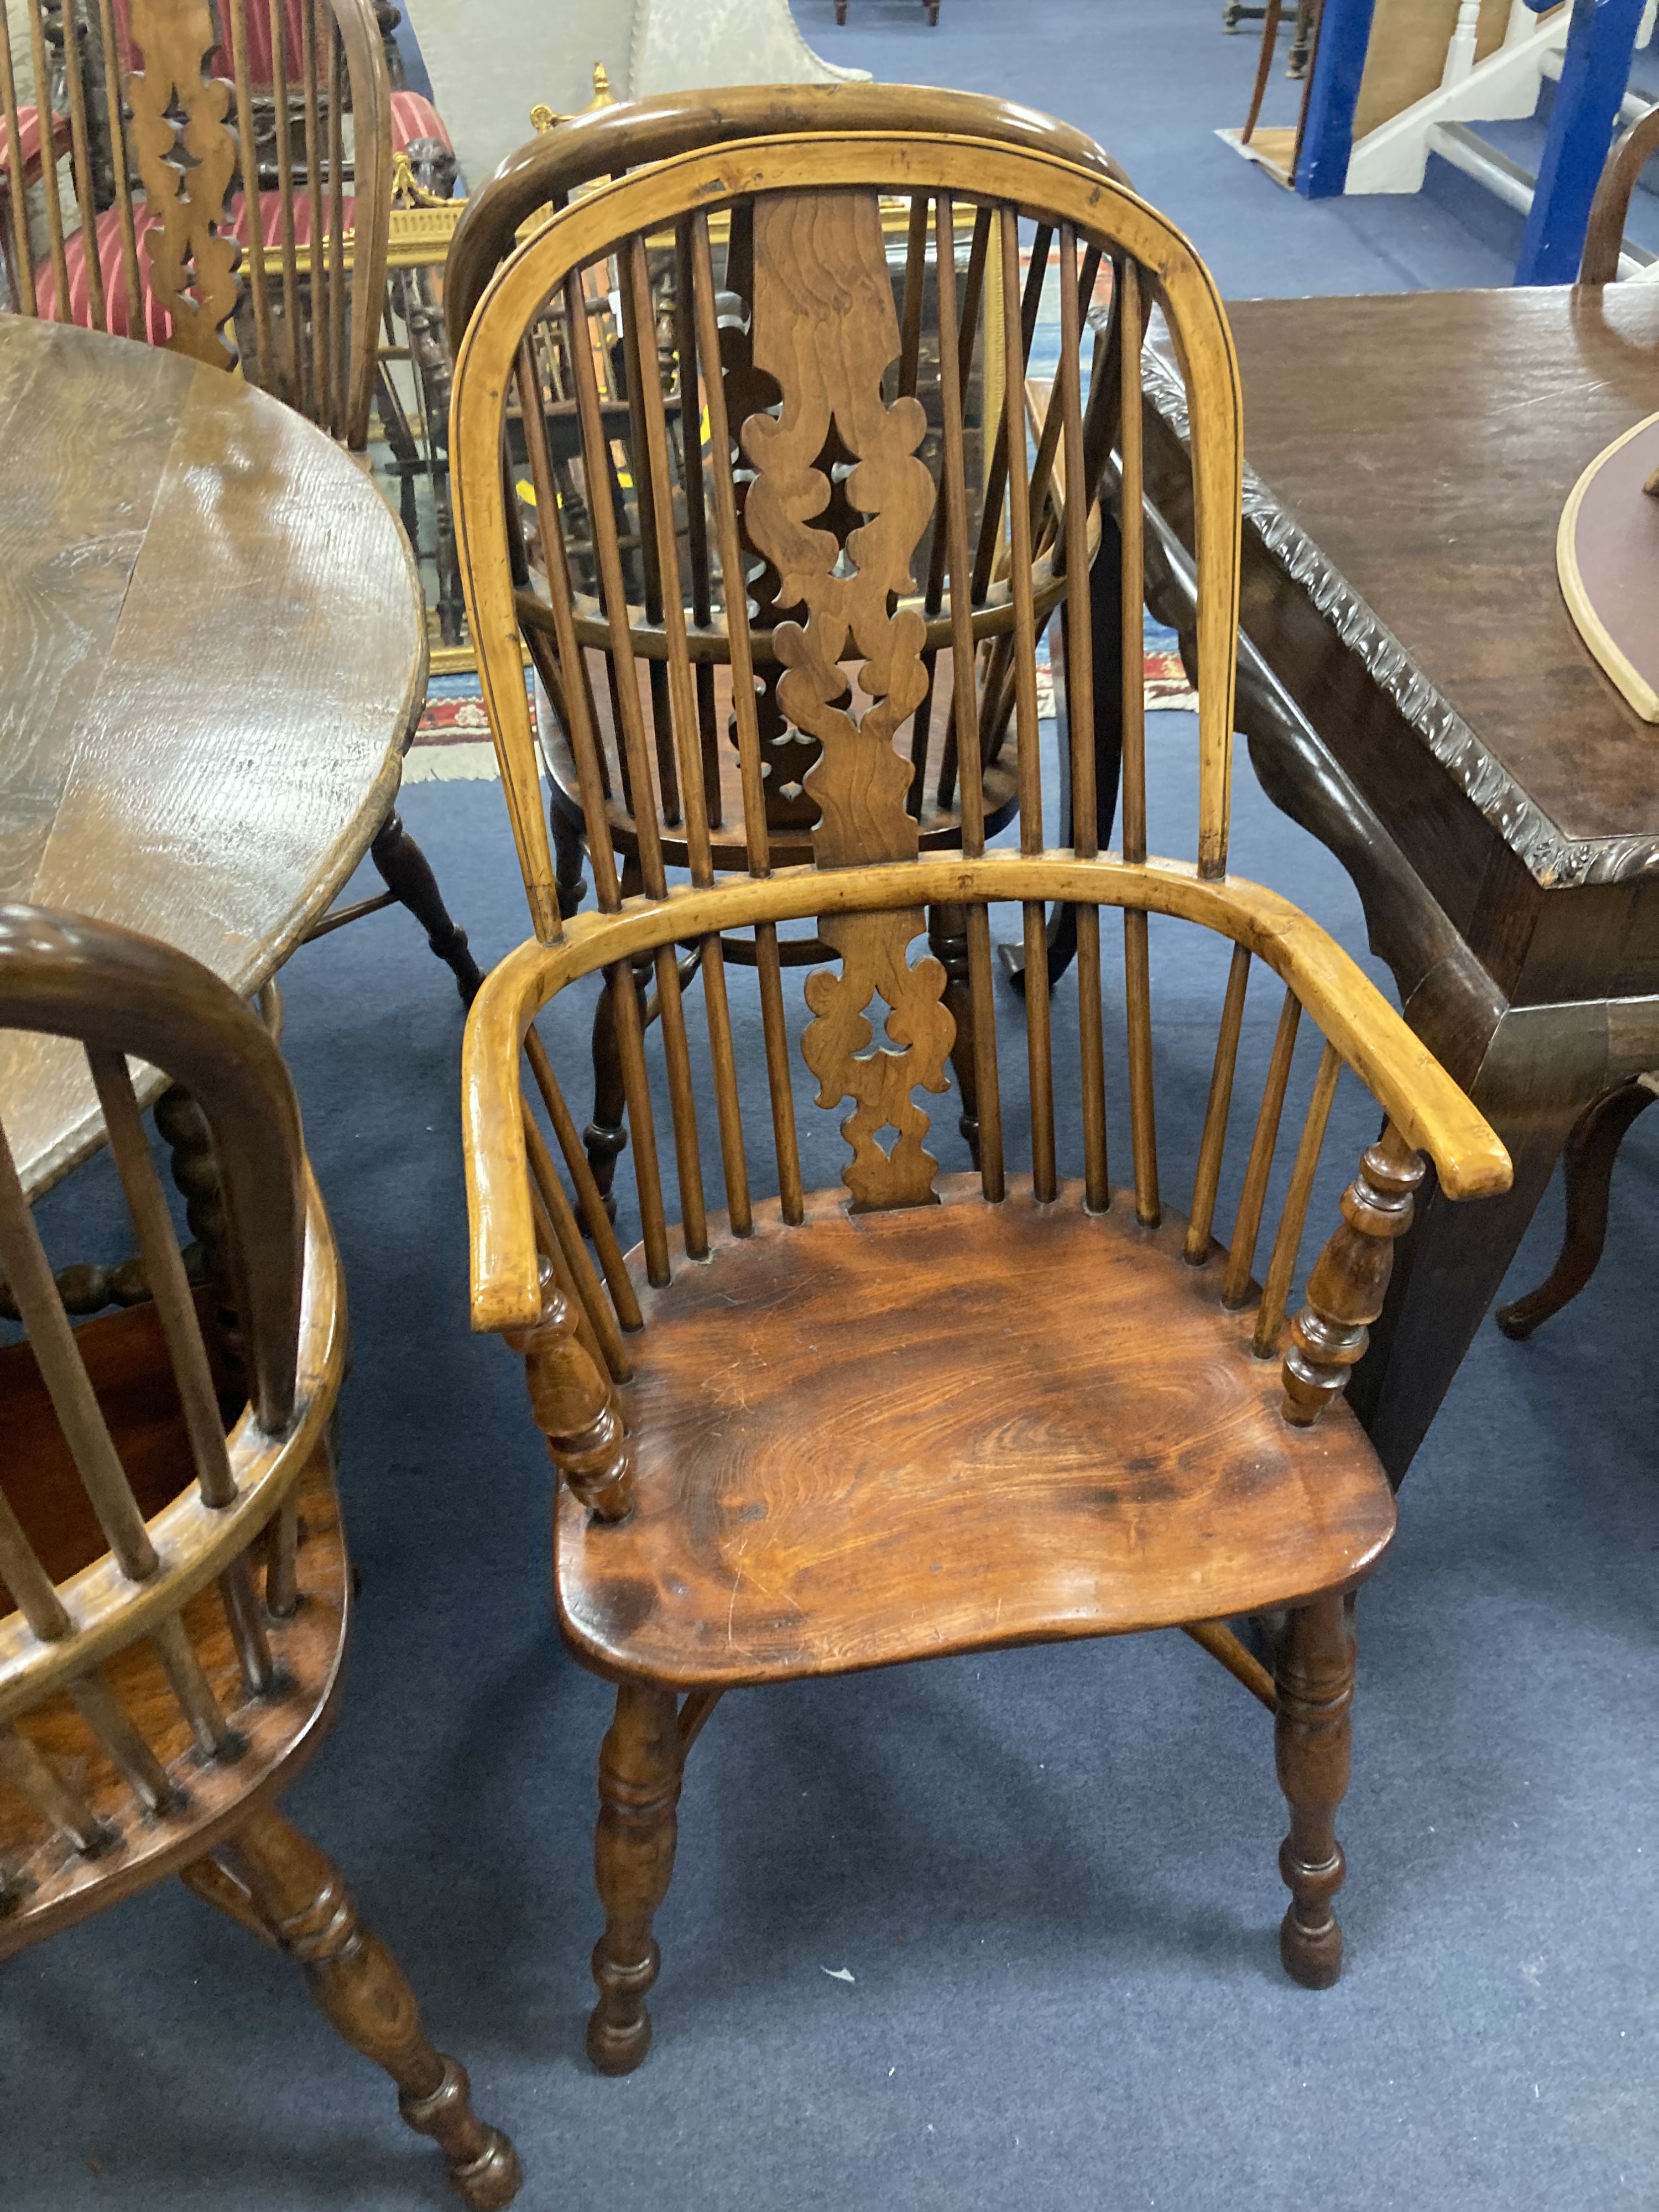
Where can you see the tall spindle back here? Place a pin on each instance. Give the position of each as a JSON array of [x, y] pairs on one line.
[[836, 502], [1007, 575], [173, 1520], [656, 335], [148, 196]]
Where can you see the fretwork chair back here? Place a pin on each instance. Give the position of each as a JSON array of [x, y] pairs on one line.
[[918, 1414], [173, 1579], [654, 332], [160, 181]]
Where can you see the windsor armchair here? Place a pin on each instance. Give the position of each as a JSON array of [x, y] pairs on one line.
[[174, 1578], [164, 137], [818, 1431], [585, 150]]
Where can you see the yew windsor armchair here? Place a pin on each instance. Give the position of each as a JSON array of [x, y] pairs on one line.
[[141, 225], [571, 158], [820, 1431], [173, 1580]]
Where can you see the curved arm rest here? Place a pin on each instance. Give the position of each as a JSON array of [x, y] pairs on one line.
[[1605, 237], [1422, 1101]]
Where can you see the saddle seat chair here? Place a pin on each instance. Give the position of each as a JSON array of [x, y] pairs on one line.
[[800, 1431], [174, 1585]]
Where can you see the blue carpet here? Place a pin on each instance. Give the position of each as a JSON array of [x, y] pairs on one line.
[[1051, 1874]]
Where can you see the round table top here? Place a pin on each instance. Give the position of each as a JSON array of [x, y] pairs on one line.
[[214, 651]]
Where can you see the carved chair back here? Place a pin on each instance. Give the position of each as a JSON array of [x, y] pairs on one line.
[[179, 205], [838, 504], [658, 342], [135, 1618], [1604, 237]]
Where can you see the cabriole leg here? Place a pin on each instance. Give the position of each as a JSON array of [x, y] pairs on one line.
[[301, 1894], [1314, 1676], [633, 1861]]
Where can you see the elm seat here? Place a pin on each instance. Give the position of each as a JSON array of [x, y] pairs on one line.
[[815, 1441]]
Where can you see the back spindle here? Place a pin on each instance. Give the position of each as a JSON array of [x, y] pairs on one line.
[[951, 548], [1015, 343], [75, 86], [247, 155], [1246, 1223], [1213, 1141], [1276, 1289], [767, 961], [16, 185], [1077, 633]]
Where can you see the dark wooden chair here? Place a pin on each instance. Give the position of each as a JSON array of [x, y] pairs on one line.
[[174, 1589], [1593, 1143], [545, 175], [141, 227], [915, 1415]]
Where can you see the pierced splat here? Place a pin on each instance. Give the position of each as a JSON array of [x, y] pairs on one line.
[[825, 329], [850, 1059], [187, 156]]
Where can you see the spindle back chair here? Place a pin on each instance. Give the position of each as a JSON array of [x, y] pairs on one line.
[[653, 334], [141, 225], [816, 1431], [174, 1578]]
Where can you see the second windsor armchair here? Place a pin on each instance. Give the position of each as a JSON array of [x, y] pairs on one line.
[[174, 1586], [584, 150], [802, 1434]]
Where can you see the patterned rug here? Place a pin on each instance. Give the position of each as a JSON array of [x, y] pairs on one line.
[[452, 741]]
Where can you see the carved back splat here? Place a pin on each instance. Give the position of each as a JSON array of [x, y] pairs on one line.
[[826, 331], [178, 111]]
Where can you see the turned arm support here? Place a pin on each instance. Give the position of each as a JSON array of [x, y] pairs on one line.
[[1351, 1278], [575, 1406]]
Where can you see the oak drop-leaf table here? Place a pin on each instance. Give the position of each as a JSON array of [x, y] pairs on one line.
[[1415, 694], [214, 649]]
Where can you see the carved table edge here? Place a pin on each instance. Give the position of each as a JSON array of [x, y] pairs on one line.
[[1556, 861]]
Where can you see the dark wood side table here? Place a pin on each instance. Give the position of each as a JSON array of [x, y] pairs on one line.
[[215, 655], [1414, 694]]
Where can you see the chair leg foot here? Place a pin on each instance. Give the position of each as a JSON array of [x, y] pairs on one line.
[[296, 1889], [632, 1863], [406, 872], [1313, 1671]]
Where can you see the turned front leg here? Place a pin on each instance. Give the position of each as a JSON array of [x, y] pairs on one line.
[[1350, 1279], [575, 1406], [1313, 1678], [640, 1769], [297, 1891]]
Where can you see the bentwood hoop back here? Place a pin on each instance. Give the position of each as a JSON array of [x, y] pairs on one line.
[[923, 1413]]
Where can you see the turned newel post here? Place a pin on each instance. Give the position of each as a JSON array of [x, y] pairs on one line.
[[1349, 1278], [576, 1408]]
